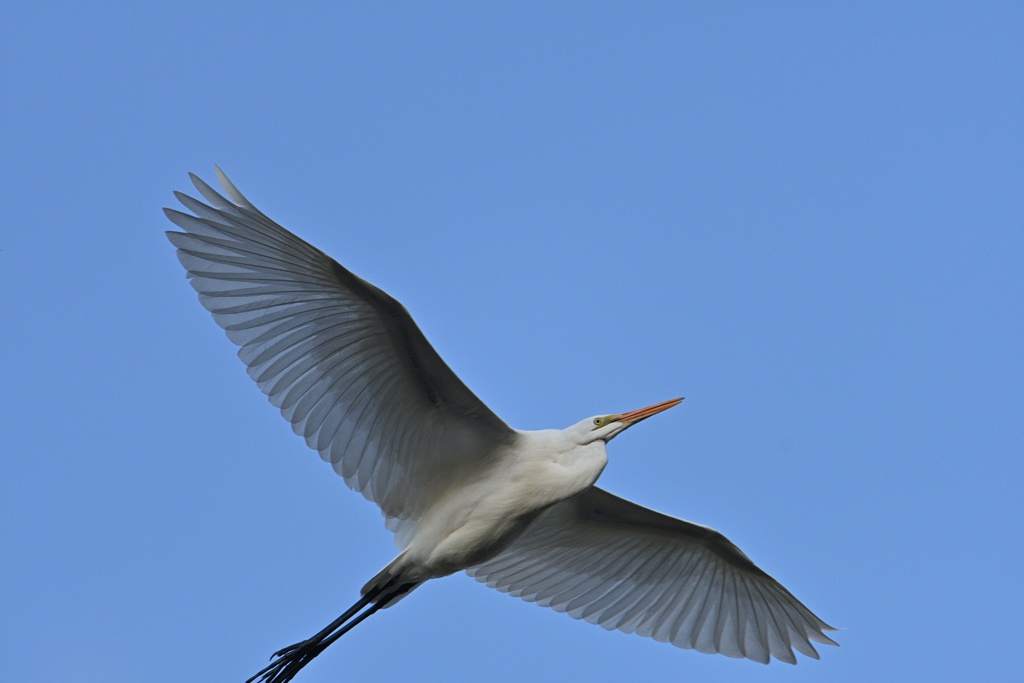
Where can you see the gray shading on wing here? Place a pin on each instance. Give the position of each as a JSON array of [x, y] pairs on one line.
[[344, 361], [611, 562]]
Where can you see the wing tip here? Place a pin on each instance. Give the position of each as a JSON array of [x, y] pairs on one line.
[[822, 638], [231, 191]]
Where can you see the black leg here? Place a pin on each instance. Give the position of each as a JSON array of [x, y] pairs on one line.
[[288, 661]]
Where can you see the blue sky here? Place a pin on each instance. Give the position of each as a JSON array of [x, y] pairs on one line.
[[807, 220]]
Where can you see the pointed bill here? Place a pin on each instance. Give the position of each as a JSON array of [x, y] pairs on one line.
[[632, 417]]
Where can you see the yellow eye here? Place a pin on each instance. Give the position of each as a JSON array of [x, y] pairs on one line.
[[598, 421]]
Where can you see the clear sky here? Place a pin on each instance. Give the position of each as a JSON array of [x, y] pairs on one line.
[[807, 220]]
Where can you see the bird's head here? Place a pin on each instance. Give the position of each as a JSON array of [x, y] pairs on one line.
[[607, 427]]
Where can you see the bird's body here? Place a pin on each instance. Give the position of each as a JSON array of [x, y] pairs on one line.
[[472, 524], [517, 510]]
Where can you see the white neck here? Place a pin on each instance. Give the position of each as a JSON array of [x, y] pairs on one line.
[[558, 465]]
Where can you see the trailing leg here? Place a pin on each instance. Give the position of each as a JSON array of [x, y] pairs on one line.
[[288, 661]]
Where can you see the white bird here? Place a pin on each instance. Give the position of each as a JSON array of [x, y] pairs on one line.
[[461, 490]]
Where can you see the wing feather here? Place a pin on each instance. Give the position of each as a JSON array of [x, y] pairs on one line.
[[342, 360], [621, 566]]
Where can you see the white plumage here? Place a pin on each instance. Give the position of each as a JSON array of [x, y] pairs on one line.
[[353, 374]]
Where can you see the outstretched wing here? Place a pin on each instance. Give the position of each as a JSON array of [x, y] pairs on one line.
[[611, 562], [343, 361]]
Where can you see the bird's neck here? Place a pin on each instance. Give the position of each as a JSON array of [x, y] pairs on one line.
[[559, 468], [583, 465]]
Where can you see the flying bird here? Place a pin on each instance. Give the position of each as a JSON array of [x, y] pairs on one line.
[[461, 490]]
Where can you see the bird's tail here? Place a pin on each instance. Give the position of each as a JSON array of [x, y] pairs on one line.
[[382, 591]]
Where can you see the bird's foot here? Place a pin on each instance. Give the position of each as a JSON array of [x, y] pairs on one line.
[[287, 662], [285, 650]]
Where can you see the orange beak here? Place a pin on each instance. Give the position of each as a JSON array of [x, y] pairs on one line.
[[631, 418]]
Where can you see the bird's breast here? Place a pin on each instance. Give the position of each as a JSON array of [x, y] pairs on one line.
[[476, 523], [468, 532]]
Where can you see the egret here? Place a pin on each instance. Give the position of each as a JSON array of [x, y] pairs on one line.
[[460, 489]]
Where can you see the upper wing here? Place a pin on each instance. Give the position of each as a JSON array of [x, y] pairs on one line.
[[343, 361], [612, 562]]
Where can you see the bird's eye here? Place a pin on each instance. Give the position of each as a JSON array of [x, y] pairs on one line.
[[597, 421]]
